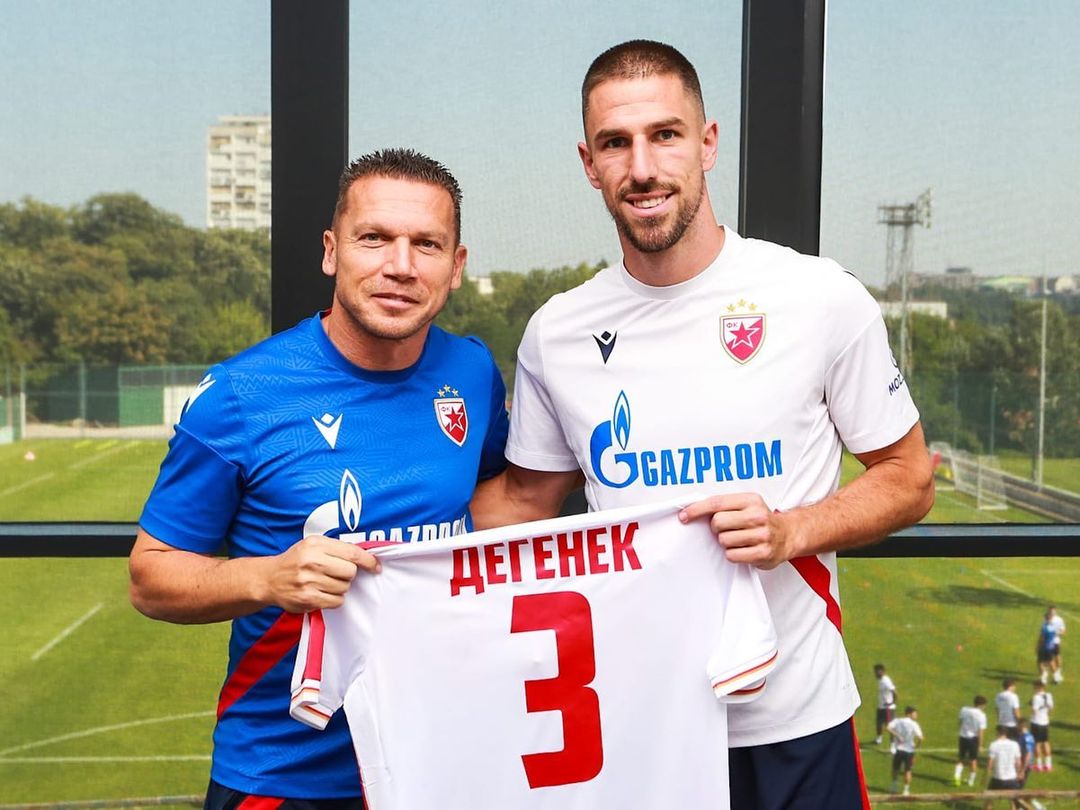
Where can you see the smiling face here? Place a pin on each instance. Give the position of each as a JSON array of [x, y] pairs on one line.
[[395, 258], [647, 149]]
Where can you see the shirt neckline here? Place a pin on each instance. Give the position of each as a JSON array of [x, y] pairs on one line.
[[732, 245]]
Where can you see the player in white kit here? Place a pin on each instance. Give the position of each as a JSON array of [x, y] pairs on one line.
[[732, 370]]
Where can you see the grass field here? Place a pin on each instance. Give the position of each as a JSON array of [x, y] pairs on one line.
[[101, 703]]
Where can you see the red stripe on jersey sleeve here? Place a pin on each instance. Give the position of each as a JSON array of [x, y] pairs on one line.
[[260, 803], [858, 764], [819, 578], [316, 635], [261, 657]]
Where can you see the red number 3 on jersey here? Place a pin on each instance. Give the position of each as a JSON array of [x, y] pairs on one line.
[[582, 756]]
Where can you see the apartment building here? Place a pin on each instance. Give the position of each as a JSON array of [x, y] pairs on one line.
[[238, 172]]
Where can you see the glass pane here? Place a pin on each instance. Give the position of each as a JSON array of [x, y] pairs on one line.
[[950, 138], [134, 237], [947, 630], [494, 92]]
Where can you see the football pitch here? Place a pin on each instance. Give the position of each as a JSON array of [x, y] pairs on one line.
[[100, 703]]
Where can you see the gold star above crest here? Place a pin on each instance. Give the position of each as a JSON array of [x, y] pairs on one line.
[[742, 303], [730, 307]]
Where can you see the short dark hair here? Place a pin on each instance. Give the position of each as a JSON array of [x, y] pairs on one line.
[[909, 709], [879, 666], [400, 164], [980, 700], [639, 59], [1005, 684]]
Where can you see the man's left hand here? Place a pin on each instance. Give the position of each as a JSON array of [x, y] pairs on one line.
[[748, 530]]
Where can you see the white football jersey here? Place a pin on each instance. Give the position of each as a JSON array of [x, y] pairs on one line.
[[569, 663], [1005, 758], [1008, 706], [908, 733], [972, 721], [1041, 705], [751, 376], [886, 693]]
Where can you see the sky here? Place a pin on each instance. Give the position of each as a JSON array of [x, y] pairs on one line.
[[978, 101]]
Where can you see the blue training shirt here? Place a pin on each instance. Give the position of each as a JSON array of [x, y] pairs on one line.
[[289, 439]]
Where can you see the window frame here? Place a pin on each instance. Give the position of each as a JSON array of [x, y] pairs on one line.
[[783, 57]]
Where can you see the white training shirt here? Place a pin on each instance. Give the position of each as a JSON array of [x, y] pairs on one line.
[[908, 733], [972, 721], [751, 376], [1041, 705], [1006, 702], [886, 693], [1058, 624], [1005, 758], [565, 664]]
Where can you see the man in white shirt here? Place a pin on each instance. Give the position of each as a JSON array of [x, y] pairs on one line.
[[886, 700], [907, 735], [659, 376], [1007, 704], [1042, 703], [1005, 763], [972, 726]]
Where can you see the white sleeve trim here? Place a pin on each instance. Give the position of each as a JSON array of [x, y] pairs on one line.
[[745, 683], [306, 708]]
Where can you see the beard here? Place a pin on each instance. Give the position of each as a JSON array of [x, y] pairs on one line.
[[654, 236]]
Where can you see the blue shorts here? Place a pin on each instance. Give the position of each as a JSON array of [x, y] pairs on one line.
[[219, 797], [810, 773]]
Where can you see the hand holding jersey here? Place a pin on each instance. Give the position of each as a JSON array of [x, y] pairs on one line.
[[315, 573]]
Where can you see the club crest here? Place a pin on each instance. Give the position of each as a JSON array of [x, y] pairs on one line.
[[742, 335], [451, 415]]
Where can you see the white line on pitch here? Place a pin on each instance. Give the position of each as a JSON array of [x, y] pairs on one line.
[[96, 458], [105, 729], [67, 631], [61, 760], [25, 484], [992, 518]]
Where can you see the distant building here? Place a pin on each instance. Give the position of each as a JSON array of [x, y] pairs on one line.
[[1014, 285], [954, 278], [484, 286], [238, 155], [935, 309]]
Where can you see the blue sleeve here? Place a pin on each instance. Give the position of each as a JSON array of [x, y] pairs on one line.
[[492, 455], [199, 486]]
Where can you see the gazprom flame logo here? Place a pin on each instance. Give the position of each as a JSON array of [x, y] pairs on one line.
[[338, 516], [620, 419], [603, 438], [349, 501]]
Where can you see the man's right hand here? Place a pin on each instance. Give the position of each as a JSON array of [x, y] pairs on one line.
[[315, 573]]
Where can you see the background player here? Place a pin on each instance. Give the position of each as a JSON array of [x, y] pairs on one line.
[[1047, 648], [972, 726], [1005, 765], [1059, 626], [293, 442], [1042, 703], [659, 377], [886, 700], [1007, 704], [907, 735]]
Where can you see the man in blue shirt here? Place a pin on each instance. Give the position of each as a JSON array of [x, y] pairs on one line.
[[364, 422]]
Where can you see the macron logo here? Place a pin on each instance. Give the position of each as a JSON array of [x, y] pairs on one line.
[[328, 426], [200, 389], [606, 342]]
